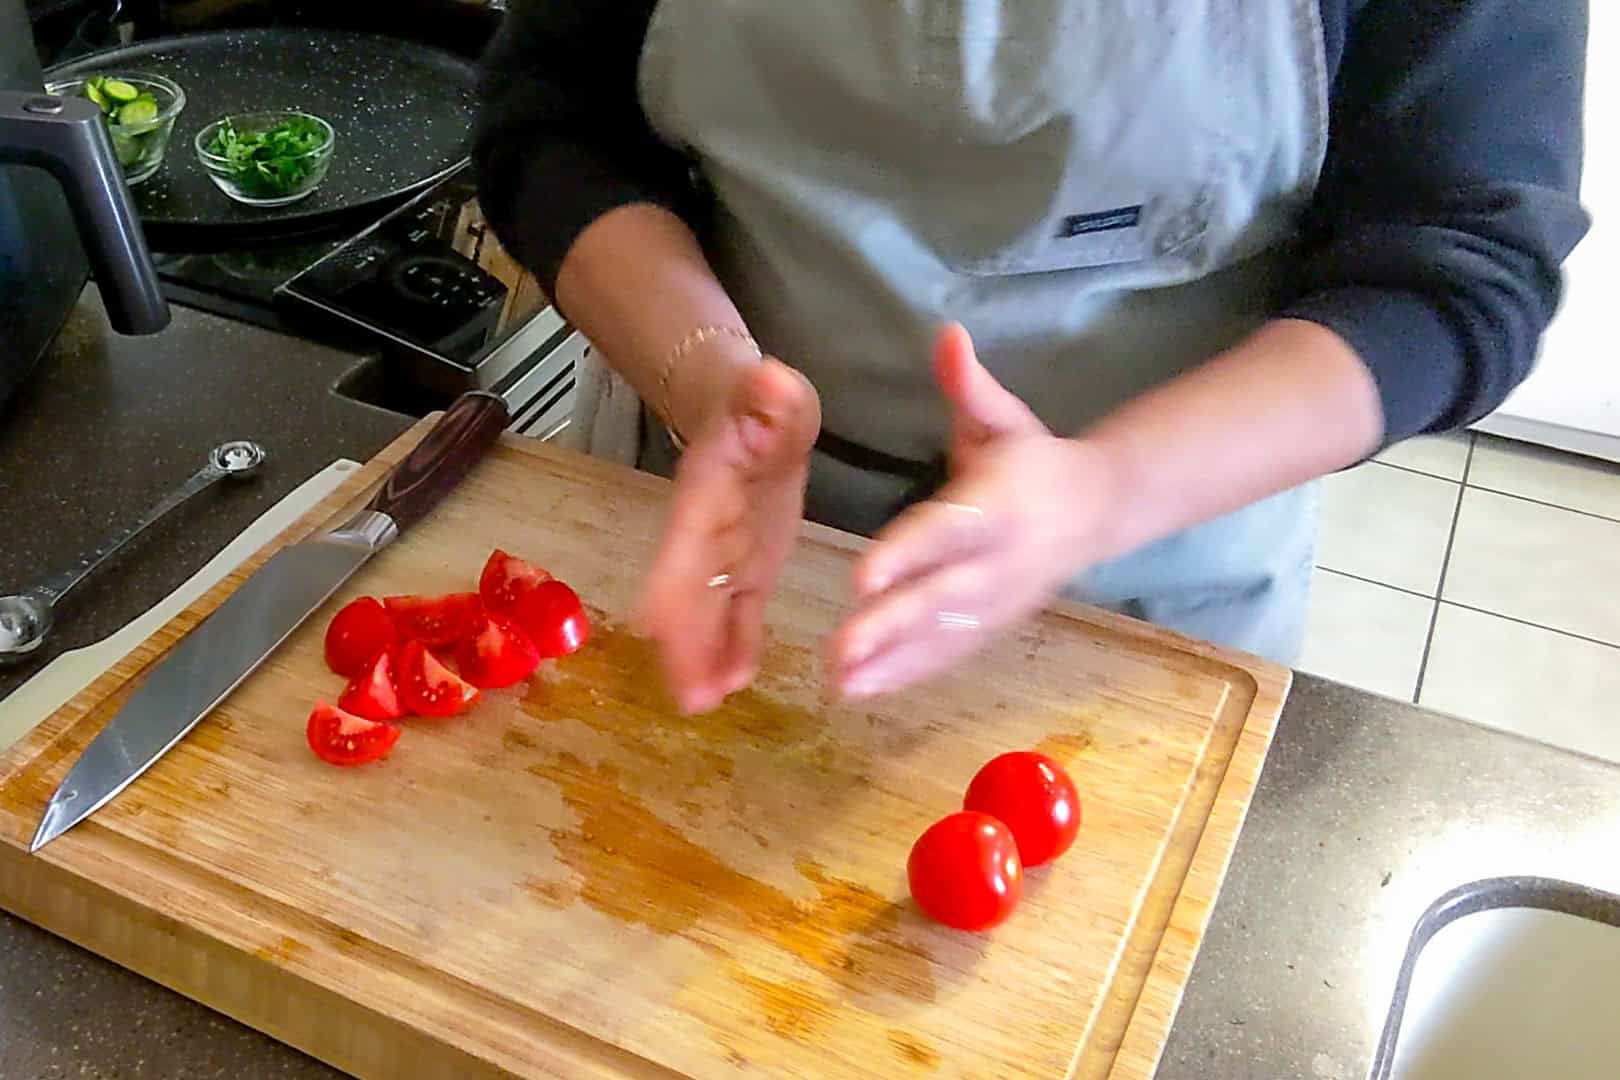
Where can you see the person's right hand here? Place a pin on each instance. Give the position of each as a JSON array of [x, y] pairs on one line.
[[739, 498]]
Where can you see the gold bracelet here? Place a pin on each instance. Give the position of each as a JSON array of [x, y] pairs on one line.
[[691, 341]]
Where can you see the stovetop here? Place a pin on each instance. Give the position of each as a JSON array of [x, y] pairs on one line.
[[241, 284], [426, 286]]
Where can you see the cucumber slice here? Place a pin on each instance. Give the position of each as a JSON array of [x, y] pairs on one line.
[[143, 110], [119, 90], [92, 90], [129, 149]]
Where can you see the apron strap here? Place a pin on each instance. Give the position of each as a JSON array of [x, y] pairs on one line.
[[926, 477]]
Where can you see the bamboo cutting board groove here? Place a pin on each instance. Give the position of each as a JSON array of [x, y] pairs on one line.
[[572, 881]]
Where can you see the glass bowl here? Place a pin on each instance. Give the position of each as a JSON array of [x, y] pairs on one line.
[[140, 131], [247, 160]]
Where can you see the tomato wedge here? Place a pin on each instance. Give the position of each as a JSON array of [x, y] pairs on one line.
[[552, 616], [428, 688], [371, 694], [341, 738], [357, 633], [436, 621], [500, 654], [505, 579]]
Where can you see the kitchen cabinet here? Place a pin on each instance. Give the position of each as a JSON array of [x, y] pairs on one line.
[[1572, 400]]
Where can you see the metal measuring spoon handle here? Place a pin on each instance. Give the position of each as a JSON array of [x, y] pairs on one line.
[[235, 459]]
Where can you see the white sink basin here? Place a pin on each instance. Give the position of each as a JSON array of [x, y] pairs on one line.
[[1507, 979]]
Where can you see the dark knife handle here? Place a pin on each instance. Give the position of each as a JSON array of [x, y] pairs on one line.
[[468, 428]]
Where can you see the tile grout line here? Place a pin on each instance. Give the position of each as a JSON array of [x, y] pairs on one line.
[[1445, 565], [1375, 581], [1543, 502], [1415, 471], [1532, 625]]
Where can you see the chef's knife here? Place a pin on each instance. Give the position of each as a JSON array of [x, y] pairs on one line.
[[225, 648]]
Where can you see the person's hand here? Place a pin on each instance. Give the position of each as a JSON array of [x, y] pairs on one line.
[[1024, 511], [738, 501]]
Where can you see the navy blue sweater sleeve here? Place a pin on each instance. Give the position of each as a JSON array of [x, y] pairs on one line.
[[561, 138], [1448, 199]]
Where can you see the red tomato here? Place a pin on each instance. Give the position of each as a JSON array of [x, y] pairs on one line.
[[499, 655], [371, 694], [356, 634], [342, 738], [436, 621], [964, 871], [505, 579], [428, 688], [552, 616], [1034, 797]]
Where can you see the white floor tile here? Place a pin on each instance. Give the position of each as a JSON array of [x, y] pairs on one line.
[[1387, 525], [1444, 456], [1548, 476], [1538, 563], [1548, 686], [1365, 635]]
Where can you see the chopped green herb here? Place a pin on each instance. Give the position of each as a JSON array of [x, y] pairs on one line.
[[273, 162]]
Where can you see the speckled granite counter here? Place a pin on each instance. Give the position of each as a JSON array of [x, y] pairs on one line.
[[1367, 810], [109, 424]]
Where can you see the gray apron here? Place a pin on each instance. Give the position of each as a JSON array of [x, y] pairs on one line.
[[1100, 190]]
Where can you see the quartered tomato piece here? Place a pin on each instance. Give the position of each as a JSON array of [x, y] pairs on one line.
[[505, 579], [499, 655], [357, 633], [371, 694], [428, 688], [435, 621], [552, 616], [342, 738]]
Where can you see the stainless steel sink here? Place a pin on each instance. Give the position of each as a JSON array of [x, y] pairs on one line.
[[1508, 978]]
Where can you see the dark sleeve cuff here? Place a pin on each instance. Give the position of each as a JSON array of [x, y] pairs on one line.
[[556, 193], [1407, 345]]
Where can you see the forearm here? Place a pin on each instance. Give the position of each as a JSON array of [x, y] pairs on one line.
[[1289, 404], [636, 283]]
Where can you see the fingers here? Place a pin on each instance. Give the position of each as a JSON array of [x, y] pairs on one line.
[[737, 503], [945, 529], [918, 629], [981, 407], [778, 416], [745, 641]]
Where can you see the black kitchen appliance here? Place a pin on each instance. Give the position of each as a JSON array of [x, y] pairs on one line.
[[64, 209], [391, 257]]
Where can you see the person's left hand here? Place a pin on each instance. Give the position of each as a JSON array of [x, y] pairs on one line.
[[1023, 512]]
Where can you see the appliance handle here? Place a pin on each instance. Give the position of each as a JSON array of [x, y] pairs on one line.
[[66, 137]]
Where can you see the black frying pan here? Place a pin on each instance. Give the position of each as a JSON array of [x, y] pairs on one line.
[[402, 111]]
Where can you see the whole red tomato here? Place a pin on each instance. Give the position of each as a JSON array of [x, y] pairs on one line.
[[1034, 797], [965, 872]]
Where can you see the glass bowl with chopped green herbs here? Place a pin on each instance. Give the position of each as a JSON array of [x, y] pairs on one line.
[[266, 158], [139, 111]]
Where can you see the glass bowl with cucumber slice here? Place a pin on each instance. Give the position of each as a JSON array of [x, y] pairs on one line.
[[266, 158], [139, 110]]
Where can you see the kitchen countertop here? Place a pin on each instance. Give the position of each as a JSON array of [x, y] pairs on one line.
[[1368, 809]]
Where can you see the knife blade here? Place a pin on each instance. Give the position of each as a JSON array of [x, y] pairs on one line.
[[212, 660]]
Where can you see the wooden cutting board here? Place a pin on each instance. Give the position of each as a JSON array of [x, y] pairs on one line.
[[573, 881]]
